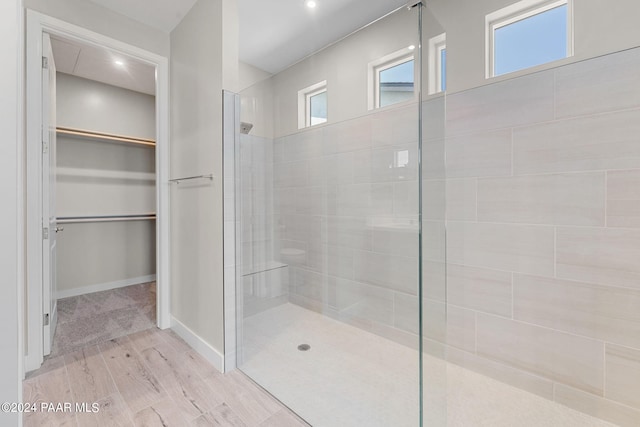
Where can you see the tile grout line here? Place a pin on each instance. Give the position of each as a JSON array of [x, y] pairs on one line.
[[513, 296], [555, 252], [604, 369], [606, 198]]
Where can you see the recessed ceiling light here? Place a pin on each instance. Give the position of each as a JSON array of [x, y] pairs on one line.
[[118, 62], [412, 47], [311, 4]]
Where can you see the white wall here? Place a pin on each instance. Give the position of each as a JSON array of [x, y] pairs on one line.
[[104, 21], [198, 58], [344, 67], [601, 27], [103, 178], [99, 107], [250, 75], [10, 373]]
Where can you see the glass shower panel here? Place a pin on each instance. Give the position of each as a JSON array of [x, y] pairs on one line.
[[328, 276], [542, 243], [435, 379], [532, 317]]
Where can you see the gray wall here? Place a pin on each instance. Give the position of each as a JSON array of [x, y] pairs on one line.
[[344, 67], [104, 178], [10, 352], [202, 65], [600, 26]]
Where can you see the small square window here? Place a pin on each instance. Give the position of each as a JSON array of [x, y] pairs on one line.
[[317, 107], [527, 34], [437, 64], [392, 79], [312, 105]]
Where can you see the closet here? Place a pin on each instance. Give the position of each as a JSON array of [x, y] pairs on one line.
[[104, 195]]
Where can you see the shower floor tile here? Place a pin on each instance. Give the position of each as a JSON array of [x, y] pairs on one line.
[[350, 377]]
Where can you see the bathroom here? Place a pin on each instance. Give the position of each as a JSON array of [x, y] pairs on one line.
[[369, 213], [456, 242]]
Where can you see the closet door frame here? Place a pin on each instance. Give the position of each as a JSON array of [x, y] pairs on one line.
[[37, 24]]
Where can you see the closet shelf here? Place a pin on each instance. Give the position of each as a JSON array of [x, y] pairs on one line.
[[106, 174], [106, 137], [105, 218]]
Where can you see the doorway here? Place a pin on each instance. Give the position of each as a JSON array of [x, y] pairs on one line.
[[106, 206]]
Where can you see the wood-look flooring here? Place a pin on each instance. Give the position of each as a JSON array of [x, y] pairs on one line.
[[149, 378]]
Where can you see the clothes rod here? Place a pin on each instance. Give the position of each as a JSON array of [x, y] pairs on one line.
[[105, 136], [104, 218], [188, 178]]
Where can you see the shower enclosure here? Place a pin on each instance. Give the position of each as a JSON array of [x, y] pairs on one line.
[[417, 244]]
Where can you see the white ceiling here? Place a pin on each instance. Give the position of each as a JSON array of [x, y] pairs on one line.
[[161, 14], [278, 33], [98, 64], [274, 34]]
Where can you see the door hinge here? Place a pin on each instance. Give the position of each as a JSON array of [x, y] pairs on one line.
[[45, 62], [45, 233], [46, 319]]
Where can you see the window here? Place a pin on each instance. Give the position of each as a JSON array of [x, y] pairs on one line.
[[528, 33], [391, 79], [437, 64], [312, 105]]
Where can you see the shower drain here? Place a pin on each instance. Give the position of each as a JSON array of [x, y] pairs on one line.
[[304, 347]]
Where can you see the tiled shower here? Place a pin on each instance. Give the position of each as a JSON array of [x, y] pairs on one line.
[[528, 273]]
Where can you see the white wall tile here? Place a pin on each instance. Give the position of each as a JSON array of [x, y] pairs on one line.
[[434, 199], [361, 301], [608, 83], [606, 141], [433, 118], [596, 406], [291, 174], [388, 271], [501, 372], [623, 375], [479, 154], [406, 199], [395, 126], [520, 248], [433, 161], [543, 351], [607, 313], [303, 145], [434, 285], [479, 289], [405, 312], [388, 164], [508, 103], [403, 242], [434, 240], [599, 255], [570, 199], [623, 198], [461, 199], [346, 136]]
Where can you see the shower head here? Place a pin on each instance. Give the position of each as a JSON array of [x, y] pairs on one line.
[[245, 128]]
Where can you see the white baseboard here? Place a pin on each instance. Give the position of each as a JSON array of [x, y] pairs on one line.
[[198, 344], [104, 286]]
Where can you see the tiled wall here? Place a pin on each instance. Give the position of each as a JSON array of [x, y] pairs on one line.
[[543, 235], [264, 280], [345, 220], [537, 204]]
